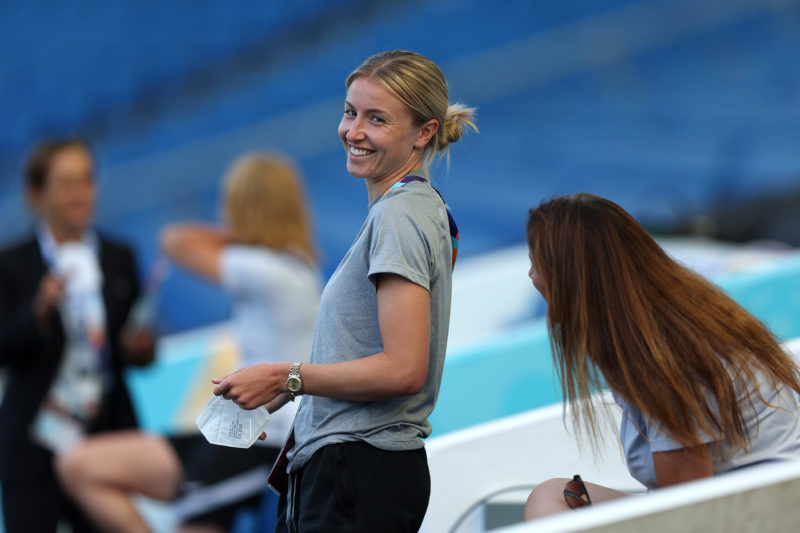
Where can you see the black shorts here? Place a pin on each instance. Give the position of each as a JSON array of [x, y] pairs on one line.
[[219, 480], [355, 487]]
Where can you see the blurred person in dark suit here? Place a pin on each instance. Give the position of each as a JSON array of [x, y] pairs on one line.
[[66, 292]]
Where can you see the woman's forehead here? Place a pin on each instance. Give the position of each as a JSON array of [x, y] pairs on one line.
[[369, 94]]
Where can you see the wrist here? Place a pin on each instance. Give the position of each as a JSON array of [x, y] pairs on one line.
[[41, 311], [282, 374], [294, 380]]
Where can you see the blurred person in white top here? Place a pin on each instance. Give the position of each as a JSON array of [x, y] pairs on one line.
[[264, 258]]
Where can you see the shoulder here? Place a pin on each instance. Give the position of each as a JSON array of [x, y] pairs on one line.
[[260, 261], [113, 245], [20, 251], [116, 256], [241, 254], [18, 246], [410, 192], [413, 200]]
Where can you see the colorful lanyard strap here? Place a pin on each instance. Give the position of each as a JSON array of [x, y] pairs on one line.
[[450, 219]]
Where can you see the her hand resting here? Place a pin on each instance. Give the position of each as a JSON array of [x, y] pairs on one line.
[[255, 385]]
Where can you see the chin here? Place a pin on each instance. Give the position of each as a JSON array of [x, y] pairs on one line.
[[80, 224], [355, 171]]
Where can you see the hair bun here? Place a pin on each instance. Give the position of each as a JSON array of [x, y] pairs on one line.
[[458, 117]]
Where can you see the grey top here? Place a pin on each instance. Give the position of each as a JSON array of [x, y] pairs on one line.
[[406, 233], [773, 426]]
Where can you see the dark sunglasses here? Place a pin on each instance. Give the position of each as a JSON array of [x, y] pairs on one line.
[[575, 493]]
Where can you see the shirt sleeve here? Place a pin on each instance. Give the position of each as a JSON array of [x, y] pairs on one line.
[[244, 272], [400, 244], [660, 442]]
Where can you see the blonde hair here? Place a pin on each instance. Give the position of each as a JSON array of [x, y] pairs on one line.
[[419, 83], [265, 205]]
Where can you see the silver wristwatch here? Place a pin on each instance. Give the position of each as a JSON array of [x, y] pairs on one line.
[[294, 383]]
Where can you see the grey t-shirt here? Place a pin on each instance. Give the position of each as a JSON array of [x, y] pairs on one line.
[[406, 233]]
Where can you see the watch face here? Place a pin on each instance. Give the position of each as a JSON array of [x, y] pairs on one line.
[[294, 384]]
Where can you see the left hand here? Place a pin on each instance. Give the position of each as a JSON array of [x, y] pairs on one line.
[[253, 386], [138, 345]]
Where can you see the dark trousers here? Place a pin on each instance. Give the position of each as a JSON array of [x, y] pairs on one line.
[[355, 487]]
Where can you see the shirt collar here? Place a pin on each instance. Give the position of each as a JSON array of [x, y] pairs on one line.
[[49, 246]]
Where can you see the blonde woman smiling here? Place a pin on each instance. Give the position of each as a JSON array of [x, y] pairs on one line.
[[376, 364]]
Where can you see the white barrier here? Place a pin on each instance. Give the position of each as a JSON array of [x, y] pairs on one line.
[[759, 499], [523, 450]]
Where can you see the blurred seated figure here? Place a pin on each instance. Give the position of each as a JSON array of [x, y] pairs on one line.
[[66, 292], [265, 260], [704, 386]]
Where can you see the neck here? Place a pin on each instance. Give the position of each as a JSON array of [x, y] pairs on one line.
[[62, 234], [377, 187]]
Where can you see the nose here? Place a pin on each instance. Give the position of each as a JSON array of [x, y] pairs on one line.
[[356, 129]]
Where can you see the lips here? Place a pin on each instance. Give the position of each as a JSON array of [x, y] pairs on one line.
[[358, 152]]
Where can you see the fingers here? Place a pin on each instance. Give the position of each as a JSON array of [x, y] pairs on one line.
[[263, 436], [222, 388], [230, 391], [217, 381], [233, 393]]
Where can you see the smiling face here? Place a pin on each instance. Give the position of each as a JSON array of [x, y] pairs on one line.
[[66, 199], [379, 134]]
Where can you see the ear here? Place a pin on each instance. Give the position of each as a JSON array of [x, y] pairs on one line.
[[426, 132], [33, 196]]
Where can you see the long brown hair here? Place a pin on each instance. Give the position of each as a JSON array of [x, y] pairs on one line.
[[265, 205], [620, 310]]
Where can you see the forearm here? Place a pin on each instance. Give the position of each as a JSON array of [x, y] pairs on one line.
[[376, 377], [279, 401], [195, 247], [372, 378], [399, 370], [682, 465]]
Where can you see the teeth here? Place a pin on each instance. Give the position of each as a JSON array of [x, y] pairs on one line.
[[358, 151]]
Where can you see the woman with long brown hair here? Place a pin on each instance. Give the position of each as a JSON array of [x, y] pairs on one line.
[[705, 388]]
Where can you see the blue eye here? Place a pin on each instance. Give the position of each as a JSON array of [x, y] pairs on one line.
[[376, 118], [349, 113]]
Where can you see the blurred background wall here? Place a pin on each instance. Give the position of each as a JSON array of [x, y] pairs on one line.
[[686, 112]]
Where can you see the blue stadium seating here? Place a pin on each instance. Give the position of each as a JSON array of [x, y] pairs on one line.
[[668, 129]]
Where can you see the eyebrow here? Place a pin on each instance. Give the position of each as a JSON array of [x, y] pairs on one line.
[[380, 111]]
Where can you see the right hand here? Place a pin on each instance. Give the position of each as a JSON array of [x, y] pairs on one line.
[[49, 293]]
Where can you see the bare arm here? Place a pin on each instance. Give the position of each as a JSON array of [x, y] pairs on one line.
[[399, 370], [686, 464], [196, 247], [278, 402]]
